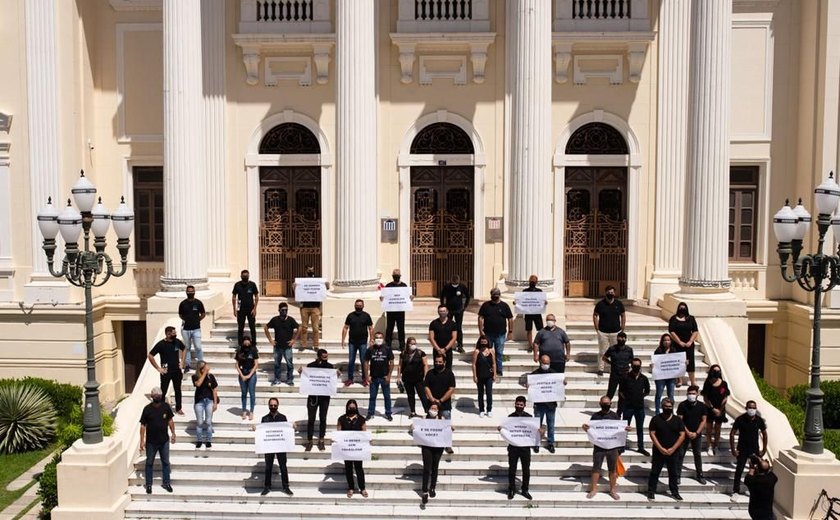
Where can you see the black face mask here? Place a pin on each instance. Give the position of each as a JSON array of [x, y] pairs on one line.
[[272, 409], [310, 274], [532, 284], [190, 296], [496, 298], [636, 369], [396, 277], [605, 407], [244, 278], [682, 311], [482, 347], [714, 374], [439, 368], [667, 412], [351, 410], [610, 296], [157, 398], [621, 343]]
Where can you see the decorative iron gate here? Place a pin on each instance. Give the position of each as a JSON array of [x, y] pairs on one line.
[[290, 227], [596, 231], [442, 227]]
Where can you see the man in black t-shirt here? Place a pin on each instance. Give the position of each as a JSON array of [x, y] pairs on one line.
[[191, 312], [618, 356], [495, 320], [440, 386], [693, 415], [608, 320], [274, 416], [747, 426], [285, 334], [519, 453], [360, 326], [761, 482], [171, 351], [443, 335], [247, 296], [395, 317], [667, 432], [155, 419], [379, 363], [455, 296], [632, 391], [532, 320]]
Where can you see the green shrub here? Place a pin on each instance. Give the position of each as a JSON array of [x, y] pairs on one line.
[[63, 395], [48, 487], [71, 430], [831, 401], [27, 418]]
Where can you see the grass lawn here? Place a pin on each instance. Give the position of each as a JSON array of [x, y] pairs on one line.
[[12, 466]]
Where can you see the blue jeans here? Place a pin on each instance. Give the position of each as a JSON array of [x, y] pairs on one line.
[[543, 409], [192, 337], [249, 386], [375, 383], [361, 348], [498, 344], [279, 355], [485, 385], [661, 385], [639, 415], [151, 451], [203, 420]]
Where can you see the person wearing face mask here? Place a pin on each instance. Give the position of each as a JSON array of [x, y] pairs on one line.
[[395, 317], [360, 326], [274, 416], [411, 371], [245, 299], [191, 312], [665, 347], [431, 459], [171, 352], [683, 329], [600, 454], [619, 357], [440, 386], [455, 296], [747, 427], [310, 315], [609, 319], [532, 320], [379, 364], [546, 410], [715, 394], [495, 320], [154, 421], [317, 404], [517, 454], [693, 415], [443, 335], [246, 367], [285, 334], [352, 420], [553, 342], [633, 389], [206, 403], [484, 373], [667, 432]]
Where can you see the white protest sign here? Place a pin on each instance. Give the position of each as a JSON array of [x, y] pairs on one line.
[[668, 366], [607, 434], [546, 388], [350, 445], [396, 299], [529, 302], [435, 433], [274, 437], [521, 431], [318, 381], [310, 289]]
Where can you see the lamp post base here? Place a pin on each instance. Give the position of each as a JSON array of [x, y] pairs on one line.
[[801, 477]]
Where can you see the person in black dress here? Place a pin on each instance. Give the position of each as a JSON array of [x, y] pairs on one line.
[[353, 421], [715, 393], [411, 371], [484, 374], [683, 329]]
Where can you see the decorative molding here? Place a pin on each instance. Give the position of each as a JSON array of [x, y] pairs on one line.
[[705, 284], [409, 21], [443, 67], [317, 21], [373, 282], [635, 60], [562, 58], [473, 45], [564, 19], [595, 44], [136, 5], [765, 22], [288, 68], [610, 66], [254, 46], [5, 142], [122, 29]]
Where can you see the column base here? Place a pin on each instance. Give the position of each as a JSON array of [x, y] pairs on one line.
[[92, 482], [801, 476], [711, 304], [46, 289], [661, 284]]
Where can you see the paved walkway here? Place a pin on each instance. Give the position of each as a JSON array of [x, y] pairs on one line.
[[28, 502]]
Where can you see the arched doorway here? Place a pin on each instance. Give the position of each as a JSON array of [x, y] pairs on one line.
[[596, 230], [442, 233], [290, 234]]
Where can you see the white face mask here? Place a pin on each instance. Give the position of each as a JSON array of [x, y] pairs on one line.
[[751, 412], [413, 346], [432, 413], [455, 285], [379, 341], [692, 398], [549, 324], [544, 367]]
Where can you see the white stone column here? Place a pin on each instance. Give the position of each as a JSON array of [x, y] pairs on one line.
[[7, 264], [184, 175], [705, 254], [356, 159], [529, 26], [674, 51], [213, 62]]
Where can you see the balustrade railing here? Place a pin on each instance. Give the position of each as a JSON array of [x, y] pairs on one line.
[[284, 16], [431, 16], [284, 10], [443, 9], [601, 15], [601, 9]]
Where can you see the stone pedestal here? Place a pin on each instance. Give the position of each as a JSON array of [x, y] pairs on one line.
[[92, 482], [801, 477]]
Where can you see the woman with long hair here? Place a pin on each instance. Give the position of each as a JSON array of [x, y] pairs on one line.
[[683, 329], [665, 347], [352, 420], [484, 373]]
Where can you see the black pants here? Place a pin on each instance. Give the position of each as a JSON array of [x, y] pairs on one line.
[[415, 388], [660, 461], [449, 356], [694, 444], [516, 454], [318, 403], [458, 318], [349, 466], [269, 464], [615, 378], [743, 456], [175, 378], [398, 319], [241, 315], [431, 461]]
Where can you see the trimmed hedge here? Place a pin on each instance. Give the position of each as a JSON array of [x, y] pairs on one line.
[[831, 401]]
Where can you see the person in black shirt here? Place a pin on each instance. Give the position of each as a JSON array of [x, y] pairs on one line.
[[693, 415], [206, 403], [456, 297], [395, 317], [519, 453], [443, 335], [285, 334], [715, 394], [633, 390], [247, 296], [411, 371], [274, 416], [317, 404], [154, 421], [618, 356], [667, 432], [495, 320], [608, 319], [747, 426], [683, 329], [484, 373], [379, 363], [246, 367], [360, 326], [310, 315], [191, 312], [440, 386], [599, 454], [171, 351], [431, 458], [353, 421], [532, 320], [761, 482]]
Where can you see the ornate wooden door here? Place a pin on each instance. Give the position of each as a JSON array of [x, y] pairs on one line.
[[442, 227], [596, 231]]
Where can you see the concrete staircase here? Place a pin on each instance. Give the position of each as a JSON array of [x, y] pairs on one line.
[[225, 481]]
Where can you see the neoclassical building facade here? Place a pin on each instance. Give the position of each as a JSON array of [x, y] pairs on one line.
[[644, 144]]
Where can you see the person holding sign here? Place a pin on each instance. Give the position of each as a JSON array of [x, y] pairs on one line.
[[683, 329], [599, 453], [411, 371], [431, 457], [285, 334], [519, 453], [532, 320], [379, 364], [554, 342], [310, 314], [667, 432], [484, 373], [353, 421], [275, 416], [440, 386], [715, 394], [633, 389], [360, 326], [546, 409], [495, 320], [665, 347], [316, 404], [395, 317]]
